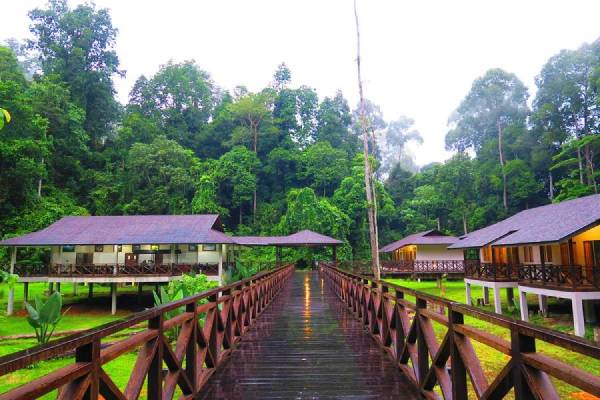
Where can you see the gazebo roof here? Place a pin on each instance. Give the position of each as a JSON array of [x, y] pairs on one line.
[[302, 238]]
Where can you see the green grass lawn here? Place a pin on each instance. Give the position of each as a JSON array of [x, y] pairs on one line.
[[493, 361]]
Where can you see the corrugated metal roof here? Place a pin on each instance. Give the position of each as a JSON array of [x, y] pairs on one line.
[[128, 229], [431, 237], [302, 238], [550, 223]]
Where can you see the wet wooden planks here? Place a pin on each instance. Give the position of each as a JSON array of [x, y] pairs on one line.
[[307, 346]]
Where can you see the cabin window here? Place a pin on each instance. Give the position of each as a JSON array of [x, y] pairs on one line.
[[528, 254], [209, 247], [192, 247], [99, 248], [487, 254], [591, 249], [136, 247], [119, 247], [471, 254], [68, 248], [154, 247], [547, 253]]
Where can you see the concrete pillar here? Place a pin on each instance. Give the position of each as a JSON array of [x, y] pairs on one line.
[[50, 287], [113, 295], [26, 291], [139, 296], [486, 295], [589, 311], [74, 288], [510, 297], [523, 306], [221, 246], [578, 318], [497, 301], [90, 290], [10, 307], [58, 287], [543, 301], [468, 294], [116, 267]]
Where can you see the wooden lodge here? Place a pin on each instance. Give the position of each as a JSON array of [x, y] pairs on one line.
[[138, 249], [423, 252], [553, 250]]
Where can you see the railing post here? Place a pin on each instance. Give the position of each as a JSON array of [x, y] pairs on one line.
[[155, 373], [191, 351], [520, 343], [457, 365], [422, 351], [90, 353]]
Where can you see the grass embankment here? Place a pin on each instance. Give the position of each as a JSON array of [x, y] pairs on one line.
[[80, 314], [493, 361]]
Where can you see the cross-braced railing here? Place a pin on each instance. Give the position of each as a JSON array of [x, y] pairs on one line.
[[406, 331], [206, 327]]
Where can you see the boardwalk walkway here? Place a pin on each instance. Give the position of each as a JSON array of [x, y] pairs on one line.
[[307, 346]]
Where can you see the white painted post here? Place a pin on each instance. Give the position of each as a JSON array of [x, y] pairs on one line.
[[221, 264], [113, 292], [497, 300], [468, 294], [11, 292], [486, 295], [578, 318], [523, 305], [543, 301], [116, 267]]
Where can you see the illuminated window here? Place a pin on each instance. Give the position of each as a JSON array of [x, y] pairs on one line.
[[99, 248], [528, 254], [154, 247]]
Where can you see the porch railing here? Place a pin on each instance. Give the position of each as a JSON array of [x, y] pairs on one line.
[[425, 266], [561, 276], [491, 272], [207, 328], [405, 330]]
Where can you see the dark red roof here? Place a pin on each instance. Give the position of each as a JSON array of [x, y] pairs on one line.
[[128, 229], [431, 237], [302, 238], [545, 224]]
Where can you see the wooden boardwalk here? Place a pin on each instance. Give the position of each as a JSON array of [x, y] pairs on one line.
[[307, 346]]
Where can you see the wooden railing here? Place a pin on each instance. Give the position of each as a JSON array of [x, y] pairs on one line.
[[211, 324], [405, 330], [424, 266], [491, 272], [60, 270], [26, 270], [561, 276]]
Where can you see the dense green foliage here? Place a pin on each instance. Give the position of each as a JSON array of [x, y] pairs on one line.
[[277, 160]]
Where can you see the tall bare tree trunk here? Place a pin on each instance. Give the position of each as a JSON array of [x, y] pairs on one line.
[[369, 187], [39, 188], [580, 165], [464, 218], [504, 189], [255, 129], [551, 183]]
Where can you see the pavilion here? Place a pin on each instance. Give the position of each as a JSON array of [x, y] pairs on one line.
[[138, 249]]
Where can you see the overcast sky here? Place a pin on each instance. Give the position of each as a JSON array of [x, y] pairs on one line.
[[419, 57]]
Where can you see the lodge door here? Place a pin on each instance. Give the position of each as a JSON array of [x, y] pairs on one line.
[[131, 259], [158, 259]]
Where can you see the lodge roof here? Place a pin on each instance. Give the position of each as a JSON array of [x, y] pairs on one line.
[[545, 224], [126, 229], [154, 229], [430, 237]]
